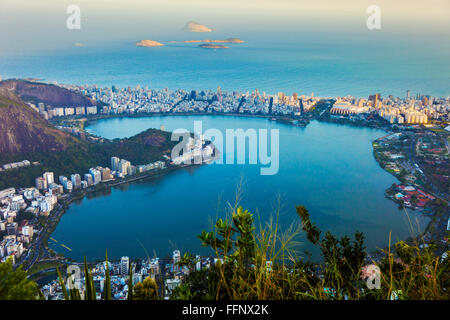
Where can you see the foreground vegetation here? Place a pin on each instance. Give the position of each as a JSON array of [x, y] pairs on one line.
[[263, 264]]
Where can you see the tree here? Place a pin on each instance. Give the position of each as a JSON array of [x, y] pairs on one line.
[[24, 215], [312, 232], [342, 259], [146, 290], [233, 240], [14, 284]]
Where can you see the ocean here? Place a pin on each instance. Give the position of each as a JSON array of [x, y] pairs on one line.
[[326, 65]]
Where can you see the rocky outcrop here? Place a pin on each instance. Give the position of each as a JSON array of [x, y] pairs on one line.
[[229, 40], [148, 43], [212, 46], [23, 130], [48, 94]]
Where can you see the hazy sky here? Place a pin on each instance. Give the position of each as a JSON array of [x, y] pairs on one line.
[[36, 25]]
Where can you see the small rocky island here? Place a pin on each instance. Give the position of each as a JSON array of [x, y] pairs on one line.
[[148, 43], [212, 46], [229, 40]]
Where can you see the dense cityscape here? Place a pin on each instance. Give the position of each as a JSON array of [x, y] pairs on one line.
[[167, 272], [417, 109], [18, 206], [415, 150]]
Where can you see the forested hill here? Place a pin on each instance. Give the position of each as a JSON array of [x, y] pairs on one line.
[[25, 135], [148, 146]]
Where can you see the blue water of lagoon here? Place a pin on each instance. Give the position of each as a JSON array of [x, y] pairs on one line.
[[328, 168]]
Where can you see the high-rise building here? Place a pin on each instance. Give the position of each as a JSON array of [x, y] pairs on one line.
[[41, 183], [68, 185], [131, 170], [114, 163], [89, 179], [62, 180], [375, 99], [49, 177], [11, 228], [99, 283], [76, 181], [198, 263], [154, 267], [96, 176], [270, 105], [55, 189], [124, 265], [176, 258], [106, 174], [123, 166], [27, 231], [302, 110]]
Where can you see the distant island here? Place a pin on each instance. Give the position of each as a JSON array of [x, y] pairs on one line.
[[229, 40], [212, 46], [207, 43], [148, 43]]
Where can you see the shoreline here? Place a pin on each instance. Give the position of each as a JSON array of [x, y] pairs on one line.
[[65, 204], [85, 120]]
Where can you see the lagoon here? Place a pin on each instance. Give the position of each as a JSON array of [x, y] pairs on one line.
[[328, 168]]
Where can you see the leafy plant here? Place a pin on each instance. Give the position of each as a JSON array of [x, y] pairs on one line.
[[261, 265], [146, 290], [14, 284]]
